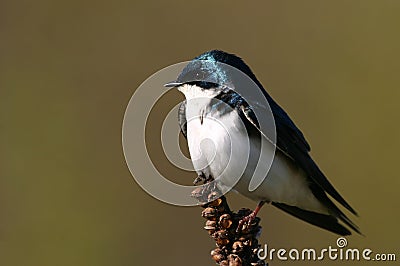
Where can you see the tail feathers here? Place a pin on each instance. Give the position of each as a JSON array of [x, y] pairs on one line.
[[332, 208], [335, 211], [319, 179], [338, 213], [327, 222]]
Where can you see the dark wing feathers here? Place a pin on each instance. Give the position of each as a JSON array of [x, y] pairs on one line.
[[292, 142], [287, 132]]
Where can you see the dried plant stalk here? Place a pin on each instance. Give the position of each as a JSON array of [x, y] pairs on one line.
[[235, 246]]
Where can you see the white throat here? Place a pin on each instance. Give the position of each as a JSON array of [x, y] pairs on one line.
[[192, 92]]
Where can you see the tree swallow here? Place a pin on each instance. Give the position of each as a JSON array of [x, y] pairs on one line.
[[294, 182]]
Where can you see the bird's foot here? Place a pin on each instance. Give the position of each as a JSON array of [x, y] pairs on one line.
[[208, 191], [198, 179], [202, 178], [247, 220]]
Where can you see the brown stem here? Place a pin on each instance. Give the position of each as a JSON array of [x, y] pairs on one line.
[[234, 247]]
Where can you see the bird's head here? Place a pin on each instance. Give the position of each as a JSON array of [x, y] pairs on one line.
[[211, 70]]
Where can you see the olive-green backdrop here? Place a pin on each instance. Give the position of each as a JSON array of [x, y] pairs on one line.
[[68, 69]]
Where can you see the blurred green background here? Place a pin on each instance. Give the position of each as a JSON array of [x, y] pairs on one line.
[[69, 68]]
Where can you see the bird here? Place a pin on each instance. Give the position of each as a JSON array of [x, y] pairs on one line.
[[294, 183]]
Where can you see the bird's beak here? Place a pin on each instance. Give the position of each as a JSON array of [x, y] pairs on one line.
[[173, 84]]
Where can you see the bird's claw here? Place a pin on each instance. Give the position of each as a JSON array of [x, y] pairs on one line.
[[198, 179], [245, 222], [202, 178], [206, 192]]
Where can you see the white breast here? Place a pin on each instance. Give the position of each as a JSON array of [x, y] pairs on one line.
[[209, 135]]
